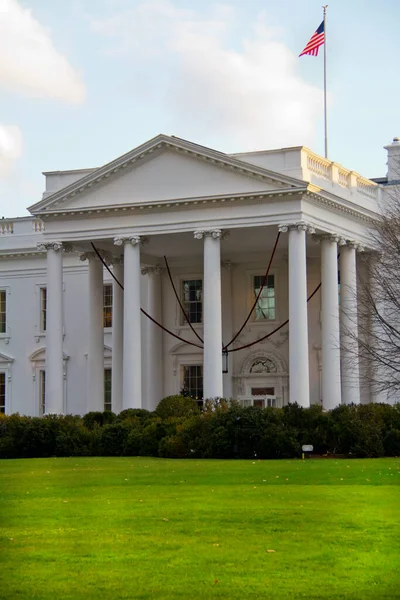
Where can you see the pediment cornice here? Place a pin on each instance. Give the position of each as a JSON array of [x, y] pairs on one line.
[[157, 145]]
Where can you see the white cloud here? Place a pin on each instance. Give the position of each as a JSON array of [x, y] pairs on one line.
[[10, 147], [215, 83], [29, 62]]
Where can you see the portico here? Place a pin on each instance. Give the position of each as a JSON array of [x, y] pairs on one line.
[[216, 218]]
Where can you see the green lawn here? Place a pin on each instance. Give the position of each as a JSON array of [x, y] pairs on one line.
[[111, 528]]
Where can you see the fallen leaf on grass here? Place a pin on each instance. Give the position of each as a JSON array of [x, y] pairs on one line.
[[216, 581]]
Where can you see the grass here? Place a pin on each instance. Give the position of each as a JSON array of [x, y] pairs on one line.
[[113, 528]]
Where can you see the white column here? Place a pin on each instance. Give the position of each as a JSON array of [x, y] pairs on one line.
[[212, 313], [349, 325], [54, 328], [95, 392], [154, 347], [331, 386], [132, 361], [227, 323], [299, 381], [117, 337]]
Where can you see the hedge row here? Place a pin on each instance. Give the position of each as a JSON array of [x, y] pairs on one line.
[[177, 429]]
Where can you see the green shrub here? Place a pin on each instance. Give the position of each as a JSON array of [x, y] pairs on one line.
[[130, 414], [391, 442], [176, 406], [223, 430], [93, 418], [113, 439]]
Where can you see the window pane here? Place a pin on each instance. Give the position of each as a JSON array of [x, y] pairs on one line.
[[107, 305], [2, 392], [107, 389], [265, 308], [42, 392], [3, 311], [193, 381], [192, 300], [43, 309]]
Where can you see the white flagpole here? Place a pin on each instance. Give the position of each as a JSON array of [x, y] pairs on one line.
[[325, 107]]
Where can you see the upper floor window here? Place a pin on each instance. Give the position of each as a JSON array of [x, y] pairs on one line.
[[192, 296], [43, 308], [3, 312], [107, 304], [265, 308], [2, 392]]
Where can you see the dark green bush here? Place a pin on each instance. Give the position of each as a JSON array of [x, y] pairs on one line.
[[222, 430], [93, 418], [176, 406], [130, 414], [113, 439]]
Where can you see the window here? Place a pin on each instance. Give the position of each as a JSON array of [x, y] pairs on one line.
[[193, 381], [3, 323], [2, 392], [107, 305], [265, 308], [43, 308], [192, 296], [107, 389], [42, 392]]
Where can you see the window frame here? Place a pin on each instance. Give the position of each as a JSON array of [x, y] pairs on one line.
[[3, 407], [107, 284], [188, 365], [5, 334], [251, 297], [180, 320], [42, 391], [43, 309], [107, 391]]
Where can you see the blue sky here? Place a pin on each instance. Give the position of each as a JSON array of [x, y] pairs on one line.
[[84, 81]]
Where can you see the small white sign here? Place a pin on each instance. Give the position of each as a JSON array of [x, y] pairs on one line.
[[307, 448]]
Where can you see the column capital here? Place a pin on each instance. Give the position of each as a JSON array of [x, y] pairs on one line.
[[199, 234], [299, 225], [353, 245], [135, 240], [329, 237], [156, 270], [55, 245], [106, 256]]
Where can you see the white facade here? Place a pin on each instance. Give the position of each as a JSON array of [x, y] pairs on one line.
[[216, 218]]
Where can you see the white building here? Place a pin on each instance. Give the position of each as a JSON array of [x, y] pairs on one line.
[[72, 341]]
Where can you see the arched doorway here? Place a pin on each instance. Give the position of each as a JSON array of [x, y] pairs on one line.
[[262, 380]]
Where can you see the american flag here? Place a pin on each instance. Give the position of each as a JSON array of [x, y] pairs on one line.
[[317, 39]]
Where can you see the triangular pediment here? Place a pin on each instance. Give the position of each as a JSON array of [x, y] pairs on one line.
[[164, 169]]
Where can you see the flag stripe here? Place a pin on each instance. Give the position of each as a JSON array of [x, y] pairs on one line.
[[316, 40]]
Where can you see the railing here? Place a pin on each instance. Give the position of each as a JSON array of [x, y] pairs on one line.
[[38, 226], [6, 227], [21, 226], [343, 177], [326, 169], [367, 187], [318, 165]]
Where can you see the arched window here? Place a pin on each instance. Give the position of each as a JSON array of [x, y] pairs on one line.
[[263, 365]]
